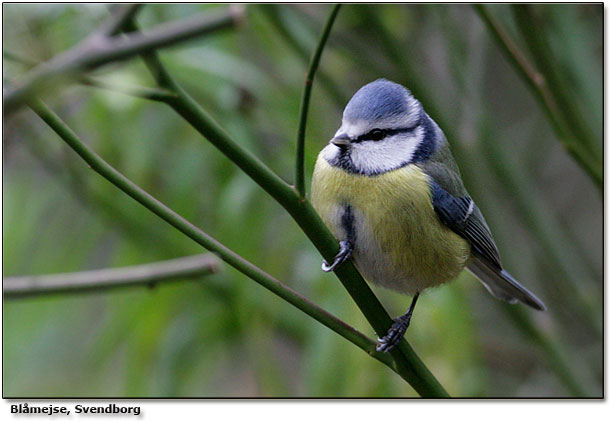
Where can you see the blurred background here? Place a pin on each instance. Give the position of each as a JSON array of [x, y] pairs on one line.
[[224, 335]]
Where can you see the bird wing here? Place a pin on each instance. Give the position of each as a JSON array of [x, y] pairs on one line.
[[454, 206], [464, 218], [458, 211]]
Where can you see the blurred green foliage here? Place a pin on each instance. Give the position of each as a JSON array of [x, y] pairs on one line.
[[226, 336]]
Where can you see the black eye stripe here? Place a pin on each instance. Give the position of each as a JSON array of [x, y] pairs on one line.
[[386, 132]]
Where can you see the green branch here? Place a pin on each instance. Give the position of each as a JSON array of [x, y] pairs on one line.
[[408, 364], [233, 259], [98, 50], [147, 275], [311, 71], [539, 86]]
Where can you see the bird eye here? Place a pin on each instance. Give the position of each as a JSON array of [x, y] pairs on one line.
[[377, 134]]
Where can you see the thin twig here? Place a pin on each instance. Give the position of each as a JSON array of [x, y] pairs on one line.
[[96, 51], [123, 14], [233, 259], [144, 92], [313, 67], [537, 84], [148, 275], [408, 364]]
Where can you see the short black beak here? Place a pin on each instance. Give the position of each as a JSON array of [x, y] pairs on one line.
[[341, 141]]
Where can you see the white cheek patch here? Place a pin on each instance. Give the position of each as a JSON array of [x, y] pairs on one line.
[[390, 153], [330, 152]]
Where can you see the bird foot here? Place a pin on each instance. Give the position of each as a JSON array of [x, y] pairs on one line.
[[344, 253], [395, 334], [397, 330]]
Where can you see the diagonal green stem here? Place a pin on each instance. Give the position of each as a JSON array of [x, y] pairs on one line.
[[190, 230], [311, 71]]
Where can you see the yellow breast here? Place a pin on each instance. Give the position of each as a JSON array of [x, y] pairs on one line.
[[400, 242]]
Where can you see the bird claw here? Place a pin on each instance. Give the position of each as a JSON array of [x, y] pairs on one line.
[[397, 330], [326, 267], [394, 335], [344, 253]]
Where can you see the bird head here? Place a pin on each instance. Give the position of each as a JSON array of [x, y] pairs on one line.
[[383, 128]]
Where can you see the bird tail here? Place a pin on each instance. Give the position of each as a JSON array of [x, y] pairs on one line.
[[502, 285]]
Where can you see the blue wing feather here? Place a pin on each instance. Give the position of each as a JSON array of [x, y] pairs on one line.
[[463, 217]]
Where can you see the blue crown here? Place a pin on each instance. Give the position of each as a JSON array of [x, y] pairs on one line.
[[377, 100]]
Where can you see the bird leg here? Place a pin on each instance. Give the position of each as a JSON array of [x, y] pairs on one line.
[[344, 253], [398, 329]]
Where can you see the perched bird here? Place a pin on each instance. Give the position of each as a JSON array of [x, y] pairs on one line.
[[390, 191]]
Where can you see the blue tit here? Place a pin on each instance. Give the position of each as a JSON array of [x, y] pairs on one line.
[[390, 191]]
